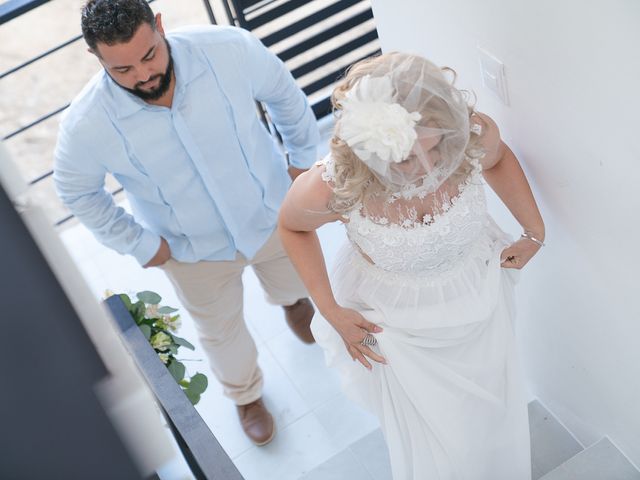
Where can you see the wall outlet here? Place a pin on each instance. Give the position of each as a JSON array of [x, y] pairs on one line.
[[492, 73]]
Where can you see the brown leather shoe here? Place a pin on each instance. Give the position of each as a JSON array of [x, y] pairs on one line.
[[299, 317], [257, 422]]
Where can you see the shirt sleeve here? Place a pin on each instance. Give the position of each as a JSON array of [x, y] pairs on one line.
[[79, 182], [287, 105]]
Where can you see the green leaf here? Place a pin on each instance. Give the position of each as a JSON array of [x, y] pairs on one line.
[[148, 297], [167, 310], [173, 350], [177, 370], [198, 383], [193, 397], [126, 300], [183, 342], [146, 331], [184, 383], [138, 310]]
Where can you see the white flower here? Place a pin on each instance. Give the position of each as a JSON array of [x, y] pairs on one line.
[[378, 130], [151, 311], [172, 324], [161, 341], [164, 357]]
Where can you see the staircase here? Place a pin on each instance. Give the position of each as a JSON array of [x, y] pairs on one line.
[[555, 455]]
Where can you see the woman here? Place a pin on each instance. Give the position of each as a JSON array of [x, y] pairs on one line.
[[420, 295]]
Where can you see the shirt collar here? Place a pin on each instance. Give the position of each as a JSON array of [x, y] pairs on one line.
[[187, 64]]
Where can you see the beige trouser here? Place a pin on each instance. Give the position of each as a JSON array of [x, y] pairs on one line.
[[212, 293]]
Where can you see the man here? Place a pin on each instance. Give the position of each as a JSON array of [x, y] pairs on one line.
[[173, 118]]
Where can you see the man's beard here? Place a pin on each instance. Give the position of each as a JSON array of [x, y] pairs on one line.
[[163, 85]]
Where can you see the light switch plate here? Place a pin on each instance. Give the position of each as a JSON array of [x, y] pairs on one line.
[[492, 73]]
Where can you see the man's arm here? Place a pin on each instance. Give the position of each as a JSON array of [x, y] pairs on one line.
[[286, 103], [295, 172], [79, 181]]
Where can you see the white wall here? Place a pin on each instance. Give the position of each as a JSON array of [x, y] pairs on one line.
[[573, 75]]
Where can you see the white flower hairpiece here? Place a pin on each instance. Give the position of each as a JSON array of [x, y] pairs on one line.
[[378, 130]]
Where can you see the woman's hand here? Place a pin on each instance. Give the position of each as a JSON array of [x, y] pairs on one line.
[[518, 254], [354, 328]]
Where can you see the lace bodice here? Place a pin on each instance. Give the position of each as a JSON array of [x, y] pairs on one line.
[[402, 240]]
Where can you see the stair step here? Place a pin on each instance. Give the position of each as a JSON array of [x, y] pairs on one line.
[[551, 442], [555, 455], [601, 461]]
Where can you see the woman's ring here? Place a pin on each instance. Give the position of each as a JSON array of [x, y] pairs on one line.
[[368, 340]]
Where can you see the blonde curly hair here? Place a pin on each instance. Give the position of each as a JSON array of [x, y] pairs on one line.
[[354, 182]]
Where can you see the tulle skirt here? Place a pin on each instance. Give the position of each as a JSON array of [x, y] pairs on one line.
[[451, 400]]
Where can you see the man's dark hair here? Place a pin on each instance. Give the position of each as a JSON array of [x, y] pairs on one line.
[[114, 21]]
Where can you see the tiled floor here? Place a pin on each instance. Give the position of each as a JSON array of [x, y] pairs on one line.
[[315, 422]]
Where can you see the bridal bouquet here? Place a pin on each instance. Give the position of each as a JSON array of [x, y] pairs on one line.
[[158, 324]]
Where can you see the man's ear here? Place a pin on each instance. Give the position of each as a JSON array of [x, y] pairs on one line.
[[93, 51], [96, 53], [159, 27]]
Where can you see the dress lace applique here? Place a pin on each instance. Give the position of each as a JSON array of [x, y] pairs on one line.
[[398, 236], [329, 173]]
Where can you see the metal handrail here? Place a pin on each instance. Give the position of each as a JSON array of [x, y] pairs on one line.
[[42, 55], [35, 122], [14, 8], [203, 453]]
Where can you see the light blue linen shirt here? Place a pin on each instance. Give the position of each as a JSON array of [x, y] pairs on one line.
[[204, 174]]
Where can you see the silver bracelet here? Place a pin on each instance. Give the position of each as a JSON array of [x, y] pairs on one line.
[[528, 236]]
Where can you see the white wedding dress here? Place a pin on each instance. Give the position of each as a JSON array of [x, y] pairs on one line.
[[451, 401]]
